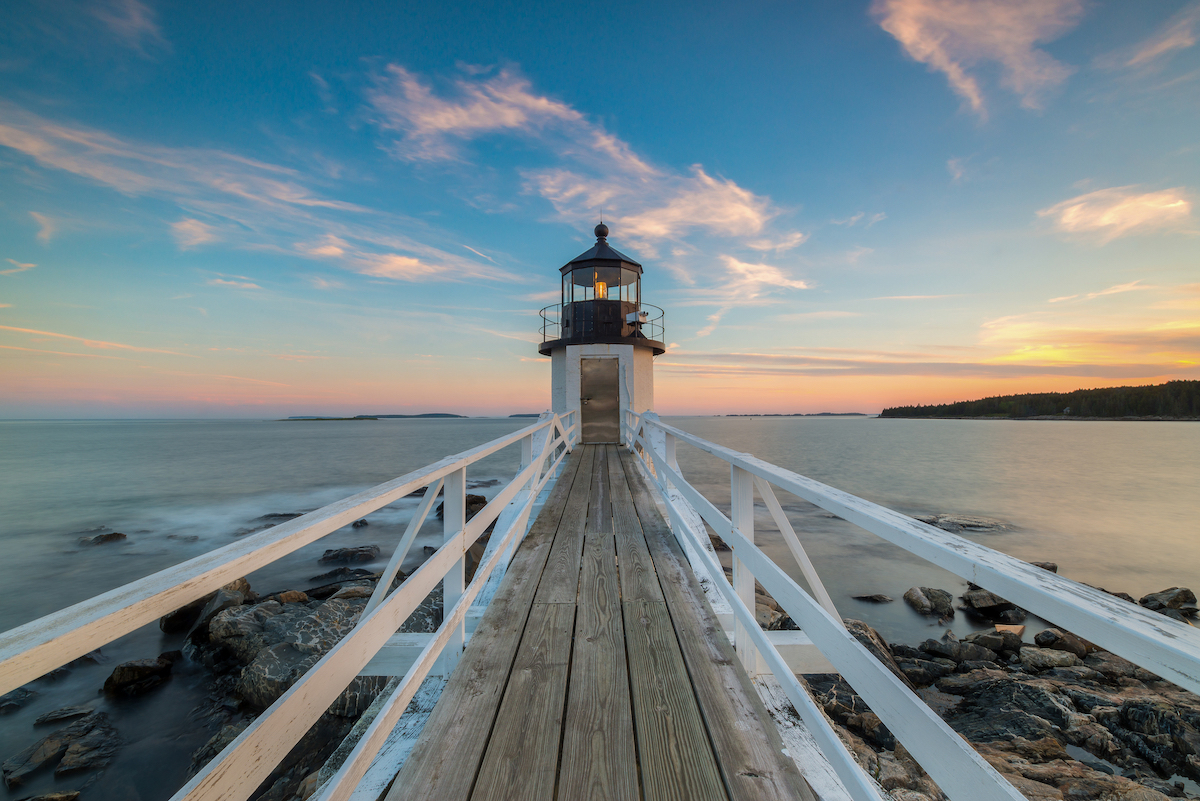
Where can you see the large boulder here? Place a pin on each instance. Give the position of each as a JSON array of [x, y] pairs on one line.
[[92, 752], [930, 601], [15, 699], [878, 647], [1039, 659], [138, 676], [1172, 598], [361, 553], [1060, 640]]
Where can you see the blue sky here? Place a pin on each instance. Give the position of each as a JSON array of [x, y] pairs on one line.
[[269, 209]]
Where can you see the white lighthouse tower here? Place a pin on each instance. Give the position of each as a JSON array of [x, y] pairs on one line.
[[602, 341]]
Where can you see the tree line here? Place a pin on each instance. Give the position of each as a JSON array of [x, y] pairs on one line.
[[1172, 399]]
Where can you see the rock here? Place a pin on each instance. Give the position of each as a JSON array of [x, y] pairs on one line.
[[361, 553], [343, 573], [1115, 668], [232, 594], [360, 523], [354, 592], [1060, 640], [878, 598], [50, 748], [768, 618], [138, 676], [718, 544], [1012, 616], [102, 539], [989, 639], [940, 702], [1037, 659], [922, 672], [292, 597], [878, 647], [930, 601], [1172, 598], [473, 503], [1051, 566], [986, 603], [183, 618], [62, 795], [964, 683], [216, 744], [65, 713], [1175, 614], [429, 550], [14, 700], [960, 523], [1018, 630], [93, 750]]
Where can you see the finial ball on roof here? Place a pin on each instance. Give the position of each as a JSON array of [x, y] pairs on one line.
[[601, 231]]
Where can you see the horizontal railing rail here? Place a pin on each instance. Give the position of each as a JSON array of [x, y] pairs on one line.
[[1166, 647], [36, 648]]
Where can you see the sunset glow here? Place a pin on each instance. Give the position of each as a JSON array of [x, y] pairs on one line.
[[840, 207]]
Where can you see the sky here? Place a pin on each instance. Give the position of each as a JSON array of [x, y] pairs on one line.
[[271, 209]]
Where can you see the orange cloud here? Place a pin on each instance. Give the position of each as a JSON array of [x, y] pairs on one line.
[[18, 267], [1121, 211], [953, 36]]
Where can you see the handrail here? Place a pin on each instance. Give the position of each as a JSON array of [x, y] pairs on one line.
[[1169, 648], [35, 648]]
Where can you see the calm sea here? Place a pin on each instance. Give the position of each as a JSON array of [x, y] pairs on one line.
[[1115, 504]]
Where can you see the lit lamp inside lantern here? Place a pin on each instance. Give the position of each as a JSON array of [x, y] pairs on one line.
[[601, 290]]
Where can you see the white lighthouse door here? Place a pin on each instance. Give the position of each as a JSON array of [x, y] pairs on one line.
[[599, 404]]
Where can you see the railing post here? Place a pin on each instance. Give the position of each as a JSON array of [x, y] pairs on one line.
[[741, 491], [454, 519], [672, 461]]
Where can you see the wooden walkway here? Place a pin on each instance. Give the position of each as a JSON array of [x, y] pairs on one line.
[[599, 670]]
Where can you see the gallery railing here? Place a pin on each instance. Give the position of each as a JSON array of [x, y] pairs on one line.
[[552, 324], [1157, 643], [35, 649]]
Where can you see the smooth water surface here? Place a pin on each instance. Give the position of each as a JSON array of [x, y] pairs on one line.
[[1115, 504]]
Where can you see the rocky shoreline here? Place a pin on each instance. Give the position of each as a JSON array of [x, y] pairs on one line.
[[1060, 718]]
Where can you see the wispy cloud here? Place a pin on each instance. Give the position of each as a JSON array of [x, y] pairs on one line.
[[915, 297], [957, 168], [595, 169], [271, 206], [91, 343], [1121, 211], [1132, 286], [817, 315], [133, 23], [324, 283], [18, 267], [233, 284], [955, 36], [189, 233], [58, 352], [46, 226], [1179, 33], [854, 220], [397, 266]]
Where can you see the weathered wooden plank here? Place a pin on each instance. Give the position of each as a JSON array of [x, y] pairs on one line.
[[521, 760], [560, 580], [676, 756], [599, 513], [638, 579], [747, 744], [598, 755], [446, 758]]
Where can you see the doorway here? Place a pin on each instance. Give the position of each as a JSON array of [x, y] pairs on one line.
[[599, 403]]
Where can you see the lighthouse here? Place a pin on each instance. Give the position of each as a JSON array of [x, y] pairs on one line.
[[602, 340]]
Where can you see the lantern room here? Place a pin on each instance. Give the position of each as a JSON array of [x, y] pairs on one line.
[[602, 340]]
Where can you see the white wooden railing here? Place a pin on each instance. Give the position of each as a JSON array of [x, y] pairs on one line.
[[1157, 643], [36, 648]]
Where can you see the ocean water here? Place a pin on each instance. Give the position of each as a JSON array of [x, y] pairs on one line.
[[1115, 504]]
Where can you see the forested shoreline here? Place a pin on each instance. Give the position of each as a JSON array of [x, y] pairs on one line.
[[1172, 400]]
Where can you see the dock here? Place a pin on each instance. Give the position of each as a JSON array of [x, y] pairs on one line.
[[599, 669]]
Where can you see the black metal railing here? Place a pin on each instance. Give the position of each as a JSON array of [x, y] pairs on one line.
[[585, 326]]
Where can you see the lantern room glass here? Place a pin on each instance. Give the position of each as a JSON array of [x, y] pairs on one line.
[[602, 283]]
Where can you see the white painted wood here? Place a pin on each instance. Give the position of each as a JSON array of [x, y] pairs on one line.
[[36, 648], [960, 772], [1157, 643], [799, 743], [250, 758], [454, 521], [741, 494], [798, 553], [414, 526], [400, 741], [352, 770]]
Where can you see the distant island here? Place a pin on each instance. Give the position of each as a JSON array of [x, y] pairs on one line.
[[323, 419], [804, 414], [375, 416], [527, 414], [1174, 400]]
